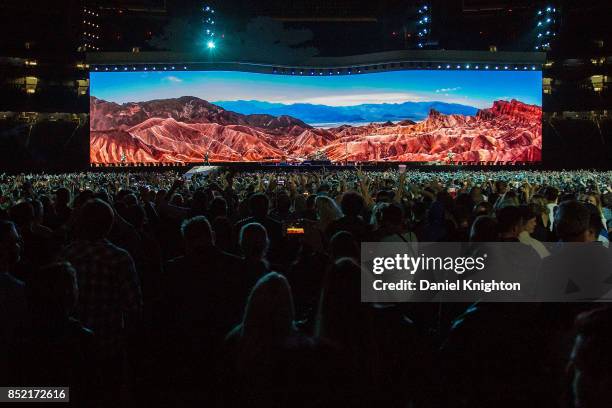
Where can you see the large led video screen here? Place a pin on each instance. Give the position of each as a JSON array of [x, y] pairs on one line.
[[237, 116]]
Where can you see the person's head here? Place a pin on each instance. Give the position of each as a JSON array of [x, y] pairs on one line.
[[253, 241], [528, 219], [484, 229], [135, 215], [551, 194], [22, 214], [590, 365], [327, 209], [538, 199], [338, 317], [283, 202], [352, 203], [606, 200], [10, 245], [343, 245], [571, 221], [593, 199], [501, 186], [392, 215], [269, 313], [476, 194], [178, 200], [539, 210], [62, 197], [52, 291], [384, 196], [483, 208], [259, 205], [94, 221], [596, 224], [311, 202], [218, 208], [39, 211], [509, 222], [197, 234]]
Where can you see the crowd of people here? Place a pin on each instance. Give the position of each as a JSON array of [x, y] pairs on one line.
[[243, 289]]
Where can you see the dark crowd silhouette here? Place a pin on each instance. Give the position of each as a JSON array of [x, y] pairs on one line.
[[243, 289]]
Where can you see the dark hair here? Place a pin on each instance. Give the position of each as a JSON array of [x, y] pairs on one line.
[[95, 220], [259, 205], [6, 227], [596, 326], [526, 213], [53, 290], [62, 195], [392, 214], [197, 229], [551, 193], [22, 214], [484, 229], [352, 203], [342, 244], [508, 218], [571, 219]]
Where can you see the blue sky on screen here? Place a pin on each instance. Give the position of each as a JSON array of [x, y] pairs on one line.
[[473, 88]]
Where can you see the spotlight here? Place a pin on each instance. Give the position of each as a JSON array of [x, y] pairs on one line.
[[184, 67], [165, 68], [548, 20], [301, 72], [467, 66], [172, 67], [506, 67], [133, 68], [153, 68], [439, 66], [125, 68], [210, 44], [524, 67], [486, 67], [496, 67], [515, 68], [533, 68], [458, 66], [539, 12], [292, 72], [547, 8], [338, 72], [359, 71], [476, 67], [424, 7], [145, 68], [448, 67], [311, 72], [115, 68]]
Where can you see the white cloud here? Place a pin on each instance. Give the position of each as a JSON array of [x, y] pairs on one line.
[[357, 99], [445, 90], [172, 78]]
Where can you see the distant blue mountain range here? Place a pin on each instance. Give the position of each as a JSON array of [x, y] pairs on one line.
[[318, 114]]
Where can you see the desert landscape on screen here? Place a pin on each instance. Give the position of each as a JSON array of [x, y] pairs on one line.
[[351, 127]]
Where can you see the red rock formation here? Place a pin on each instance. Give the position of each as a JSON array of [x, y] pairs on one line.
[[186, 128]]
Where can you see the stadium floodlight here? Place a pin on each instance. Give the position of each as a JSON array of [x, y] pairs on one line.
[[210, 44]]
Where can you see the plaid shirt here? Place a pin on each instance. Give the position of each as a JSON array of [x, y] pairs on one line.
[[109, 289]]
